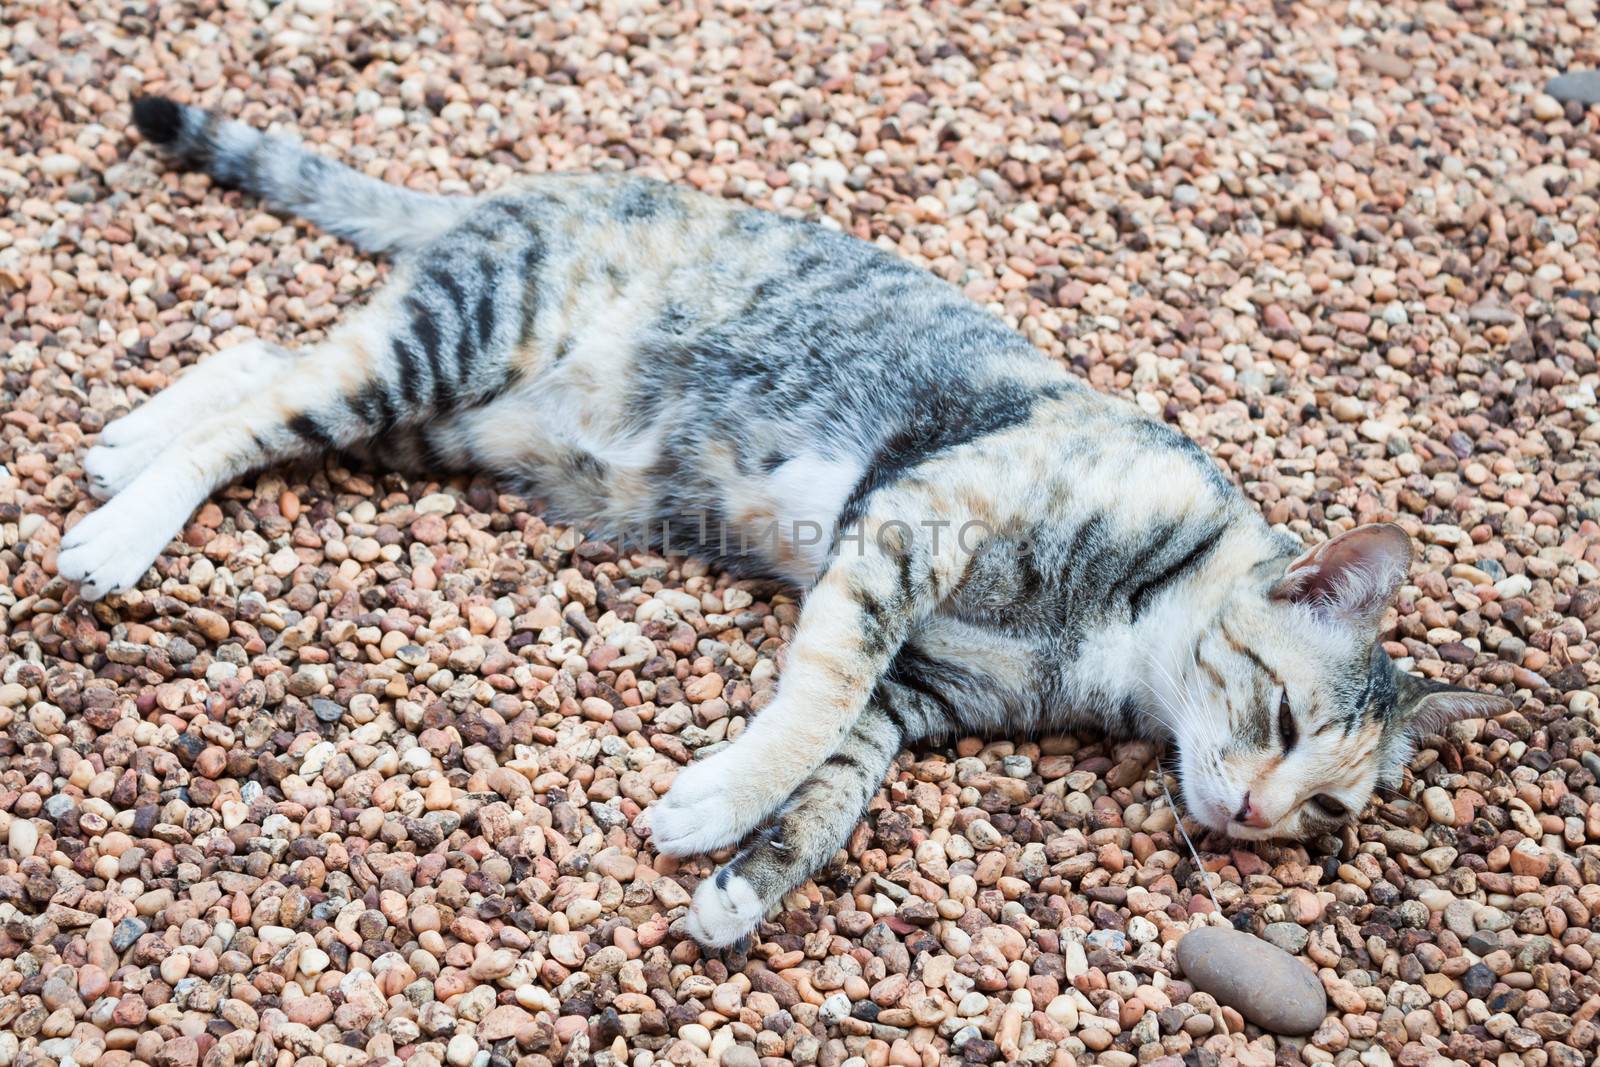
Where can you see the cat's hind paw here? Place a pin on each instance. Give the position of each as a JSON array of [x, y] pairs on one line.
[[725, 911], [99, 555], [108, 469], [110, 549]]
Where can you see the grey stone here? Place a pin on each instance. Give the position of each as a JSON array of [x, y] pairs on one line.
[[1492, 314], [1111, 940], [1291, 937], [740, 1056], [1477, 981], [127, 932], [1580, 85], [1458, 916], [1261, 981], [326, 710]]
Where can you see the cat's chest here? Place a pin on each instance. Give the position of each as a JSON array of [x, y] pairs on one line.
[[1007, 678]]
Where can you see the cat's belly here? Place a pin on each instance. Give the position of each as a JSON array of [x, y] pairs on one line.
[[575, 446], [785, 518]]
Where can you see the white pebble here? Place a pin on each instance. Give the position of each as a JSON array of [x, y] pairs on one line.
[[23, 838], [59, 165]]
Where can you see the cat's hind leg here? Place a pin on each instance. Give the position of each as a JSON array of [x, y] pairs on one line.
[[211, 387], [813, 824], [161, 466]]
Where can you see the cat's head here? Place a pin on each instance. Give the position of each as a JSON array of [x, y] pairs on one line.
[[1289, 714]]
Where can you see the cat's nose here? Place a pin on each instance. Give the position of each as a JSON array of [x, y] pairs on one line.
[[1250, 815]]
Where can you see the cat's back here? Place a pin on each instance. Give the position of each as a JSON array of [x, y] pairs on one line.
[[694, 267], [669, 293]]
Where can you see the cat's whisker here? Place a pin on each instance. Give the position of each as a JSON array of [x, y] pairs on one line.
[[1205, 876], [1194, 672], [1185, 711]]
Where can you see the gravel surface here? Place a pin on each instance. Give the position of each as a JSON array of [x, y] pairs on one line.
[[355, 776]]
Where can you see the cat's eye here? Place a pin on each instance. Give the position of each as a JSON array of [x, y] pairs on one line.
[[1332, 807], [1288, 732]]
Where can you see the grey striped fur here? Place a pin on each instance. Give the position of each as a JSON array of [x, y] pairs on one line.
[[370, 214], [987, 545]]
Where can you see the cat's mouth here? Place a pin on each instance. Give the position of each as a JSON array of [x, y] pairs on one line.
[[1214, 817], [1240, 832], [1218, 820]]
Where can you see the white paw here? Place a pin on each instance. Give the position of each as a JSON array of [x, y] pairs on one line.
[[108, 470], [109, 550], [210, 388], [704, 810], [726, 910], [136, 426]]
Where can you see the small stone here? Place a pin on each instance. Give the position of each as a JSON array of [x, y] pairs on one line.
[[126, 933], [1348, 409], [1063, 1010], [614, 863], [316, 758], [59, 165], [1478, 981], [1320, 75], [1489, 313], [1387, 64], [1547, 108], [23, 837], [508, 1020], [326, 710], [212, 626], [1262, 982], [436, 504], [1291, 937], [1582, 86], [1439, 806]]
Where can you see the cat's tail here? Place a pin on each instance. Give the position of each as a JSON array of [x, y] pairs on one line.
[[370, 214]]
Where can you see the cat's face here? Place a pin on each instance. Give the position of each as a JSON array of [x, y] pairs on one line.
[[1288, 714]]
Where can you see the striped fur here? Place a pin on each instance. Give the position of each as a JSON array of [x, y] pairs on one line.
[[988, 546]]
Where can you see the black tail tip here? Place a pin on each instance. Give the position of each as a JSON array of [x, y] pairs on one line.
[[159, 119]]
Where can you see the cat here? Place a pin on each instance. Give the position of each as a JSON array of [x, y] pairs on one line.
[[987, 545]]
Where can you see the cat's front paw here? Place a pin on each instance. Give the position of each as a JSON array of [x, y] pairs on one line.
[[702, 812], [726, 910]]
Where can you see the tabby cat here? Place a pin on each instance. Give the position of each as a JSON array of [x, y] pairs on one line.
[[987, 546]]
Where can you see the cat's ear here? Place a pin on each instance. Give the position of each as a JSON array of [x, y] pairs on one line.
[[1352, 578], [1423, 706]]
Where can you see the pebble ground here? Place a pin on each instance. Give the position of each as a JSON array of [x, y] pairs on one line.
[[356, 775]]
